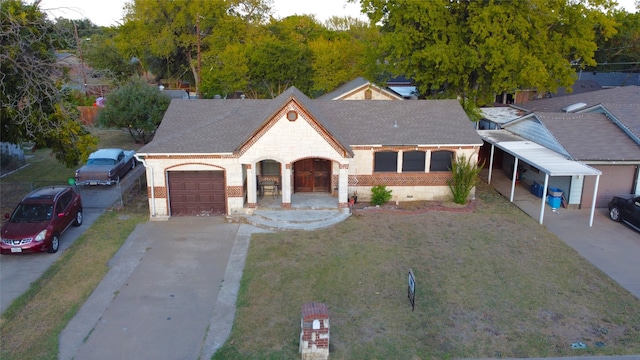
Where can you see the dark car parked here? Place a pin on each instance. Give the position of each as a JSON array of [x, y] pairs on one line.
[[625, 208], [38, 221]]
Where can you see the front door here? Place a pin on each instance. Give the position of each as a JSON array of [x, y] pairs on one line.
[[312, 175]]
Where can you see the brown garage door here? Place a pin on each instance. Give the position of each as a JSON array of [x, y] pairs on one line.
[[615, 180], [196, 193]]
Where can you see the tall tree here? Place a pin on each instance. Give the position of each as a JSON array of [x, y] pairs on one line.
[[170, 37], [226, 71], [32, 107], [335, 62], [476, 48], [103, 53], [275, 65], [621, 52]]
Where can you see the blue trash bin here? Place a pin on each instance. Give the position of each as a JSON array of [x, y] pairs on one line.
[[536, 189], [554, 201]]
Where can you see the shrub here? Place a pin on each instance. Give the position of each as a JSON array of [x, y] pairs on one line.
[[465, 177], [380, 194]]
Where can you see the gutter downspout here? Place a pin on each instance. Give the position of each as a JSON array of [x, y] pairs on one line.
[[153, 195]]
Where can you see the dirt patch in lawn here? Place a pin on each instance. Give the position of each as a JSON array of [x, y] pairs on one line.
[[412, 207]]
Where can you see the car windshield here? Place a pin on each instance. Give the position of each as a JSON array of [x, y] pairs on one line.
[[101, 162], [32, 213]]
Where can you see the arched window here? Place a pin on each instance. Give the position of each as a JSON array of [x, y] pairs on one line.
[[441, 160], [385, 161], [413, 161]]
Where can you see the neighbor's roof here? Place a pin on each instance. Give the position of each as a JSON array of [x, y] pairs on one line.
[[610, 78], [354, 85], [222, 126], [625, 95], [547, 160], [589, 137], [501, 114], [623, 103]]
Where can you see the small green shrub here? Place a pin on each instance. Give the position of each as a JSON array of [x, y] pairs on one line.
[[465, 177], [380, 195]]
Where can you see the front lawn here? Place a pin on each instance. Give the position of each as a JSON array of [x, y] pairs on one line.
[[491, 283]]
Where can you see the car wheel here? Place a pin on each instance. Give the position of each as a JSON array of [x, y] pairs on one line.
[[78, 220], [614, 213], [55, 244]]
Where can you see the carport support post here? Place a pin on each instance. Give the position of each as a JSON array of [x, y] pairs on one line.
[[544, 196], [513, 178], [593, 202], [491, 163]]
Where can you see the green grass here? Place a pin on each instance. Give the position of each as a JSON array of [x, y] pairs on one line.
[[43, 169], [493, 283]]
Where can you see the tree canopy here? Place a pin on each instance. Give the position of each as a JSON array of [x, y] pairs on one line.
[[478, 48], [137, 107], [620, 52], [33, 107]]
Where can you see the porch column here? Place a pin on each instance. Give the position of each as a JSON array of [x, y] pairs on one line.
[[399, 163], [343, 186], [427, 161], [286, 186], [252, 197]]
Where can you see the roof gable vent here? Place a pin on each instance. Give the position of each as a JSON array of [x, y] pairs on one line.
[[574, 107]]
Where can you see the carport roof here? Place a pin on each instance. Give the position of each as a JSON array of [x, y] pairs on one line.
[[537, 155]]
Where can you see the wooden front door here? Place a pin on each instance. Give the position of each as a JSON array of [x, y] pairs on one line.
[[312, 175]]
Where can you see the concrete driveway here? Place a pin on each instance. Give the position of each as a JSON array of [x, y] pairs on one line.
[[17, 272], [170, 285]]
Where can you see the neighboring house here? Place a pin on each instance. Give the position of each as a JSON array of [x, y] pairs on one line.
[[610, 79], [176, 93], [210, 156], [598, 129], [360, 89], [81, 76]]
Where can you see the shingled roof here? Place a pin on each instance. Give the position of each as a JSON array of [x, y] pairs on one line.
[[623, 103], [222, 126], [589, 137], [354, 85]]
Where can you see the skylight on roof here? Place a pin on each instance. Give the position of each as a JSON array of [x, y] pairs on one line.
[[574, 107]]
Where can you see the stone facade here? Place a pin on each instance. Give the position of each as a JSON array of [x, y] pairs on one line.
[[290, 135]]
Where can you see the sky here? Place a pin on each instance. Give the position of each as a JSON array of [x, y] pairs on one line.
[[109, 12]]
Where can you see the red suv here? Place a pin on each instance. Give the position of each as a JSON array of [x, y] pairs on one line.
[[38, 221]]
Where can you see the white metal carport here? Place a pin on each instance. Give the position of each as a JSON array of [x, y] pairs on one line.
[[548, 161]]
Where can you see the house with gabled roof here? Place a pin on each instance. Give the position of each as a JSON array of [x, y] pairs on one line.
[[360, 89], [597, 130], [218, 156]]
